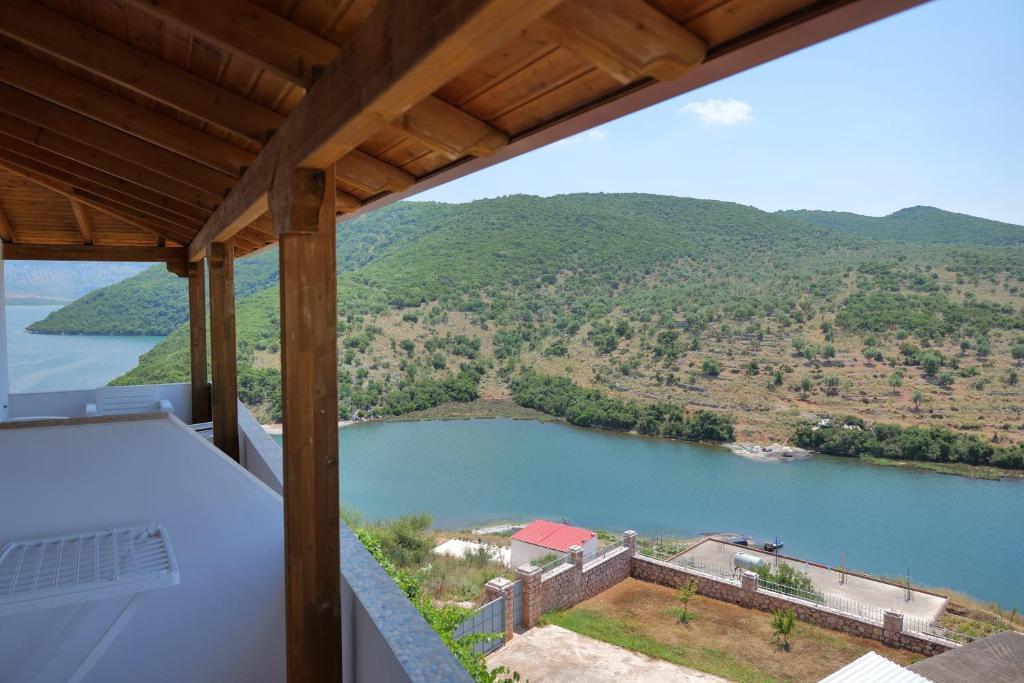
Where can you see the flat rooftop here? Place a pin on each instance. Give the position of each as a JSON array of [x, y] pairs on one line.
[[224, 621], [871, 592]]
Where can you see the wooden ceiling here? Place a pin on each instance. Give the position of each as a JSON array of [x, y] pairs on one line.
[[131, 124]]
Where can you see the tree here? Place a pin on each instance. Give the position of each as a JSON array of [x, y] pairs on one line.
[[930, 363], [711, 368], [831, 384], [805, 386], [918, 399], [686, 592], [896, 381], [783, 624], [1018, 353]]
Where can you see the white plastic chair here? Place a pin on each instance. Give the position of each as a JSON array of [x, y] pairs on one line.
[[127, 400]]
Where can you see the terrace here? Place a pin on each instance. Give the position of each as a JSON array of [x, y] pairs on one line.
[[192, 134]]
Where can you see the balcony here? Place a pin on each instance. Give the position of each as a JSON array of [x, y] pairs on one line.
[[225, 620]]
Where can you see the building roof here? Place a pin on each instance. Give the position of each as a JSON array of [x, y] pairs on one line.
[[553, 535], [150, 130], [873, 668], [999, 658]]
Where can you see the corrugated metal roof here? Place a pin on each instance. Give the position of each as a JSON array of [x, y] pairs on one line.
[[874, 668], [553, 535]]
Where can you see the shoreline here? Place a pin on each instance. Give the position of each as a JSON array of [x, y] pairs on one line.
[[484, 409]]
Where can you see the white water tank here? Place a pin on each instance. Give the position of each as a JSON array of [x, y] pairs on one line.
[[746, 561]]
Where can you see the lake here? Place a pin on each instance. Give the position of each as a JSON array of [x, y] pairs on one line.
[[948, 531], [50, 362]]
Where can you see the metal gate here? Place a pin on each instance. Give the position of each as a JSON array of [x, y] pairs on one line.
[[490, 620]]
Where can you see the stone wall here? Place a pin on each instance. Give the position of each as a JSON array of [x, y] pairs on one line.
[[575, 581], [746, 593]]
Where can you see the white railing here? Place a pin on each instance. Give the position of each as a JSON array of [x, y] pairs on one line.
[[72, 403]]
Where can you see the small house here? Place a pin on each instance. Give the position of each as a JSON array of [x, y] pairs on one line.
[[541, 538]]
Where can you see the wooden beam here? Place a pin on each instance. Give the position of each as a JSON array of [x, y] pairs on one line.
[[104, 106], [102, 204], [170, 224], [95, 51], [401, 54], [84, 226], [188, 213], [223, 348], [128, 147], [278, 45], [628, 39], [42, 138], [344, 202], [372, 175], [6, 231], [449, 131], [197, 342], [309, 399], [92, 252]]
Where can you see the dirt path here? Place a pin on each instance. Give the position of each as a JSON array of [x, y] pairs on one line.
[[552, 654]]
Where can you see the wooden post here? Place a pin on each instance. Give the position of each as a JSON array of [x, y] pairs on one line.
[[303, 213], [197, 341], [222, 346]]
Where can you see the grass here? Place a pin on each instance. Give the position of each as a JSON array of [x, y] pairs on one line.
[[958, 469], [597, 625], [479, 409], [720, 639]]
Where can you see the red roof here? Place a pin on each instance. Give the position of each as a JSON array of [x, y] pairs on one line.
[[552, 535]]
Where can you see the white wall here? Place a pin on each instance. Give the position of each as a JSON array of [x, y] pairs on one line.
[[5, 386], [72, 403]]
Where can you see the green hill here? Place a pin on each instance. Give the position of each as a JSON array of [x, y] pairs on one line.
[[155, 302], [921, 224], [650, 306]]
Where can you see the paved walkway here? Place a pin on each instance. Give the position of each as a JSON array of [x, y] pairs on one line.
[[856, 588], [552, 654]]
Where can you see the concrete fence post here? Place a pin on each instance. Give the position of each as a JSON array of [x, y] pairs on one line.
[[630, 541], [576, 557], [892, 626], [502, 587], [532, 597], [748, 586]]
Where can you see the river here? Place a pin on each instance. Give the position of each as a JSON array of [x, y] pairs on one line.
[[48, 362], [947, 531]]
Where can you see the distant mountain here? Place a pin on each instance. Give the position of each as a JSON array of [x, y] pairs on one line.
[[154, 302], [61, 280], [920, 224]]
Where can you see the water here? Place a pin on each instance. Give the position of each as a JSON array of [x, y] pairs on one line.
[[47, 362], [948, 531]]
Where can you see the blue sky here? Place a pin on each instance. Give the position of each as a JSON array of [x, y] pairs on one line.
[[925, 107]]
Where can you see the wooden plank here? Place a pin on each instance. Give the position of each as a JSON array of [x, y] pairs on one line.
[[6, 231], [189, 213], [629, 39], [95, 51], [173, 225], [404, 51], [101, 105], [309, 398], [82, 219], [223, 348], [197, 342], [100, 136], [102, 204], [107, 163], [278, 45], [92, 252]]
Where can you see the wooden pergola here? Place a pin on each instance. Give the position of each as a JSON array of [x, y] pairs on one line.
[[179, 131]]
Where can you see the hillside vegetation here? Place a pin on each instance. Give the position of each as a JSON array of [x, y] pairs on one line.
[[655, 314]]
